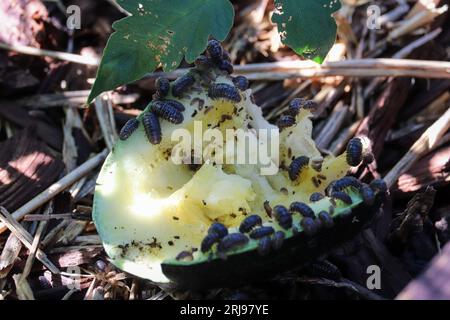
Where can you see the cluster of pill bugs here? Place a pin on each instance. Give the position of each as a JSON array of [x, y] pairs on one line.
[[288, 119], [171, 110], [268, 238]]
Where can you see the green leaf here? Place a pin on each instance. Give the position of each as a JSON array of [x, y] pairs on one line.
[[307, 26], [159, 32]]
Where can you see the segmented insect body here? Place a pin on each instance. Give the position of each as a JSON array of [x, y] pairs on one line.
[[224, 91], [302, 208], [264, 246], [285, 121], [367, 194], [310, 104], [326, 219], [295, 106], [219, 229], [185, 256], [182, 84], [232, 241], [241, 82], [226, 66], [379, 185], [296, 167], [346, 182], [176, 104], [162, 86], [152, 127], [167, 111], [282, 216], [325, 269], [208, 241], [341, 195], [268, 208], [316, 196], [309, 226], [214, 49], [260, 232], [128, 129], [249, 223], [277, 240], [202, 62], [354, 152]]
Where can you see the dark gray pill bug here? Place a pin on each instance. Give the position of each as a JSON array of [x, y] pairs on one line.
[[202, 61], [162, 85], [316, 196], [152, 127], [219, 229], [241, 83], [277, 240], [368, 157], [378, 185], [346, 182], [368, 195], [185, 256], [232, 241], [208, 241], [264, 246], [285, 121], [283, 216], [167, 111], [309, 226], [326, 219], [226, 66], [100, 265], [354, 152], [268, 208], [302, 208], [260, 232], [224, 91], [176, 104], [215, 49], [182, 85], [249, 223], [310, 105], [295, 106], [296, 167], [341, 195], [128, 129]]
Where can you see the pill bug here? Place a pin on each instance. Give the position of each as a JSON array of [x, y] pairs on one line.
[[224, 91], [167, 111], [296, 167], [368, 157], [302, 208], [226, 56], [316, 196], [202, 62], [285, 121], [341, 195], [128, 129], [182, 84], [226, 66], [162, 85], [249, 223], [260, 232], [219, 229], [176, 104], [152, 127], [100, 265], [354, 152], [241, 82], [295, 106], [232, 241], [264, 246], [378, 185], [324, 269], [214, 49], [185, 256], [326, 219], [310, 105], [268, 208], [309, 226], [208, 241], [283, 216], [346, 182], [367, 194], [277, 240]]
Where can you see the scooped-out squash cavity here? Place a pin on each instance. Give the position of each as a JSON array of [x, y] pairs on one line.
[[153, 215]]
